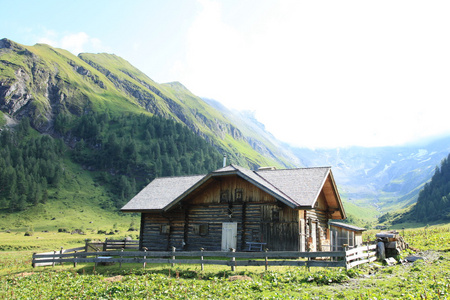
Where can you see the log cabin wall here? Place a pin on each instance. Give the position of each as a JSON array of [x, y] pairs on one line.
[[319, 216], [197, 221]]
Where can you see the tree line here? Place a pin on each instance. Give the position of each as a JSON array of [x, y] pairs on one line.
[[127, 151], [434, 199], [131, 150], [29, 165]]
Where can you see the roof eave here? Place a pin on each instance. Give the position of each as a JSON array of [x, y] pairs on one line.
[[140, 210], [289, 202], [187, 192], [279, 197], [321, 186], [338, 197], [336, 192]]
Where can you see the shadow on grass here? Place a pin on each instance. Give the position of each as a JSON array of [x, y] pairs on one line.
[[170, 272]]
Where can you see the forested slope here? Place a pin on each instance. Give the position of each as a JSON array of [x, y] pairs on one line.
[[434, 200]]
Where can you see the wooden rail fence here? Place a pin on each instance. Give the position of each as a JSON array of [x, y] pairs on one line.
[[347, 259], [111, 244]]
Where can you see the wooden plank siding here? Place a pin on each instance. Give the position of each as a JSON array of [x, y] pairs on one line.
[[319, 215], [196, 222]]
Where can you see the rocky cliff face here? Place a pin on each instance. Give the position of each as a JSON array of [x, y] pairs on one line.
[[33, 87], [14, 90]]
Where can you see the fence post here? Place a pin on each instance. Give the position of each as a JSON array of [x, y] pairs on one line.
[[368, 252], [173, 256], [86, 245], [267, 262], [145, 256], [345, 256], [96, 259], [201, 258], [121, 255], [233, 260], [61, 252], [32, 260], [307, 262], [54, 255], [105, 245], [75, 259]]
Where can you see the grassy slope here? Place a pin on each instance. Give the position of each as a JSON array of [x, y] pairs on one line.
[[77, 203], [74, 205], [2, 119], [364, 213], [79, 87], [429, 279], [189, 109]]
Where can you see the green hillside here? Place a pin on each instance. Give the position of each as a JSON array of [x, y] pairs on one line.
[[86, 133], [42, 82]]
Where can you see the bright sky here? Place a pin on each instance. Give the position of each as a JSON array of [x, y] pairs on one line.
[[316, 73]]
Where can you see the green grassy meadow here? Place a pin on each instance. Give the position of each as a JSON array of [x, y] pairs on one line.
[[424, 279]]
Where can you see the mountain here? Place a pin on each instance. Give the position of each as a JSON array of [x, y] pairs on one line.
[[121, 129], [42, 82], [384, 178], [79, 135]]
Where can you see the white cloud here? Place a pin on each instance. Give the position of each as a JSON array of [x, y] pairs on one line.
[[329, 73], [73, 42]]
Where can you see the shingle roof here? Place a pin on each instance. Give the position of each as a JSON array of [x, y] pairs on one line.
[[294, 187], [301, 185], [161, 192]]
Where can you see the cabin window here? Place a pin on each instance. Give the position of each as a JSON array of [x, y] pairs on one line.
[[238, 195], [165, 229], [224, 196], [275, 215], [203, 229]]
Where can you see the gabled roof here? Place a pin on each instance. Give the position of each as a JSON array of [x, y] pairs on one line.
[[302, 185], [297, 188], [161, 192]]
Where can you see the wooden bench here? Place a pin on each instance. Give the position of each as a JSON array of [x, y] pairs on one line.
[[255, 246]]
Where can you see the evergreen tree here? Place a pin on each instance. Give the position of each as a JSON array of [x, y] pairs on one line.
[[433, 203]]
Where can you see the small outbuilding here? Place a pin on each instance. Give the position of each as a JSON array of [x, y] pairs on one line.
[[234, 207], [345, 234]]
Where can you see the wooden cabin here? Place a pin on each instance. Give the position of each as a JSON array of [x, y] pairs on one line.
[[234, 207], [345, 234]]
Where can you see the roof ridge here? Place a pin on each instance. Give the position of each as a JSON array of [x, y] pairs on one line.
[[180, 176], [293, 169]]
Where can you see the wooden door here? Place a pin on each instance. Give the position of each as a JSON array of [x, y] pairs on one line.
[[229, 236]]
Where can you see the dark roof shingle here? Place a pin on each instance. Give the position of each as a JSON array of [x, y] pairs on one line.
[[161, 192], [294, 187]]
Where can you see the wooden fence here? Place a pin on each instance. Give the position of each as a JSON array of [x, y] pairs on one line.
[[111, 244], [346, 259]]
